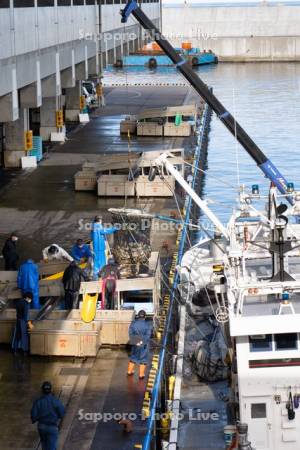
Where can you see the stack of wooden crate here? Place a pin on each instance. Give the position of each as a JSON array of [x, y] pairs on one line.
[[86, 178]]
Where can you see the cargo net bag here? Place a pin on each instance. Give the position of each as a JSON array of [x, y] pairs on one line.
[[209, 358], [132, 248]]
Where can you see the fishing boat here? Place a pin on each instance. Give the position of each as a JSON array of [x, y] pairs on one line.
[[251, 278], [240, 288], [242, 285], [152, 56]]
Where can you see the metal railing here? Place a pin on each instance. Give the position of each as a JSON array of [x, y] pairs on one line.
[[162, 356]]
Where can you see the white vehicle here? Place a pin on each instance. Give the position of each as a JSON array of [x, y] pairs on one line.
[[87, 96], [90, 91]]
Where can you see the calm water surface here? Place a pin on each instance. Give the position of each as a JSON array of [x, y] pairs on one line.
[[265, 99]]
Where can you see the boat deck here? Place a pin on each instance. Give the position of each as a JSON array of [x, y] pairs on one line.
[[200, 398], [203, 404]]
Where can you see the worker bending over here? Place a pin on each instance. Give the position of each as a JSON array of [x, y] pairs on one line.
[[56, 253], [109, 274], [72, 278], [20, 339], [47, 411], [81, 252], [139, 335]]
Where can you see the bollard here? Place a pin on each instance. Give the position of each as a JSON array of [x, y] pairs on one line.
[[244, 444], [171, 387], [165, 425]]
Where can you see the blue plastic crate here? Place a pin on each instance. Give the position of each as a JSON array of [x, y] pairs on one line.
[[37, 149]]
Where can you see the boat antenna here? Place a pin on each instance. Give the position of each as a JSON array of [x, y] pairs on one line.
[[280, 246]]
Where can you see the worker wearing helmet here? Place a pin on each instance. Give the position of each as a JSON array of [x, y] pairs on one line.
[[139, 335], [47, 411]]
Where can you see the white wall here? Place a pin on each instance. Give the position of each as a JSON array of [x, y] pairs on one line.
[[262, 384], [237, 33]]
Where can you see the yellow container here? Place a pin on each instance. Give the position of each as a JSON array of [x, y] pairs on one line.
[[186, 45]]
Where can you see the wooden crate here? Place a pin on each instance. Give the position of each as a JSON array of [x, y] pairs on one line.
[[8, 321], [115, 326], [115, 186], [53, 336], [184, 129], [65, 338], [155, 188], [149, 129], [128, 125], [85, 180]]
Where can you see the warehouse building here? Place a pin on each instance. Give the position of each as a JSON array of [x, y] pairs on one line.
[[47, 48]]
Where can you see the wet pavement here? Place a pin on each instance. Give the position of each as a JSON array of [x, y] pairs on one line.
[[108, 394], [43, 207], [20, 382]]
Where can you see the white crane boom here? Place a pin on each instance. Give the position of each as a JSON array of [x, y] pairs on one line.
[[163, 159]]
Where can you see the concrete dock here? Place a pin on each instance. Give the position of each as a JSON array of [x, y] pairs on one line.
[[42, 207]]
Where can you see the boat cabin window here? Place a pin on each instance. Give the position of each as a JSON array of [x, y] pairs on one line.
[[258, 411], [286, 341], [260, 343]]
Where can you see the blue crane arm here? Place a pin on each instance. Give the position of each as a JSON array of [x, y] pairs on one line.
[[266, 166]]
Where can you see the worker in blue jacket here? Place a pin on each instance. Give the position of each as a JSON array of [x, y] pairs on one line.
[[139, 336], [98, 236], [28, 281], [20, 339], [80, 251], [47, 411]]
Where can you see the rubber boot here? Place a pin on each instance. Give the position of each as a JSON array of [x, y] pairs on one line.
[[130, 369], [142, 369]]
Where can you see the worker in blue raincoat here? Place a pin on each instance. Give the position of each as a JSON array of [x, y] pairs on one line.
[[47, 411], [98, 236], [81, 252], [20, 337], [139, 336], [28, 281]]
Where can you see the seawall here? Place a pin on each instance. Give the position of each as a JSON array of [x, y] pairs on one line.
[[237, 33]]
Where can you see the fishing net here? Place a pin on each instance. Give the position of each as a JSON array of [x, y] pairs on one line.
[[132, 247], [209, 358]]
